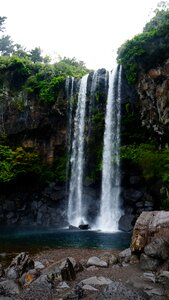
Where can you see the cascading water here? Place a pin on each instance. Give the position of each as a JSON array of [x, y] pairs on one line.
[[75, 206], [110, 211], [69, 93], [69, 87]]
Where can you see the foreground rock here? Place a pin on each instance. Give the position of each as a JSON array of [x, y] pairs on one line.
[[148, 227], [69, 278], [150, 242]]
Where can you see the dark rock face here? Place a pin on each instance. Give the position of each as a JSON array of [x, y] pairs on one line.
[[43, 208], [126, 222], [153, 94]]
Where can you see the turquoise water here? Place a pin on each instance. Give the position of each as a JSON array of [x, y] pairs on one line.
[[33, 240]]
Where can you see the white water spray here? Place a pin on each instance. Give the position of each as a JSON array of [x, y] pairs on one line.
[[75, 207], [110, 211]]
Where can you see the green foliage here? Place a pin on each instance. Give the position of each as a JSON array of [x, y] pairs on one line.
[[148, 49], [36, 55], [154, 163], [17, 162], [6, 172], [70, 67], [24, 162], [6, 45], [49, 89], [39, 80], [17, 72]]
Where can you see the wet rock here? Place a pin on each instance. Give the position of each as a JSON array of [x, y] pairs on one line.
[[97, 262], [126, 222], [71, 227], [84, 226]]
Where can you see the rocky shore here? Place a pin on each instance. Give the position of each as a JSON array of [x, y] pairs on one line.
[[138, 273], [79, 274]]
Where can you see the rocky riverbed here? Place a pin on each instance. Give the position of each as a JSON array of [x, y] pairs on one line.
[[80, 274]]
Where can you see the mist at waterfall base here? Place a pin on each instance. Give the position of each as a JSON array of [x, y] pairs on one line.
[[14, 240]]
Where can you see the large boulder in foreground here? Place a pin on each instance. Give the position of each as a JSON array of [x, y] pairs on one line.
[[148, 227]]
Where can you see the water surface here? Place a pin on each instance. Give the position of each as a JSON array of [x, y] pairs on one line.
[[33, 240]]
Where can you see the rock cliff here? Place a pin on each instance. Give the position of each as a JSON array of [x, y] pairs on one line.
[[153, 93]]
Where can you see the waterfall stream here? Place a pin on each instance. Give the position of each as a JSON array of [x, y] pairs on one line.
[[110, 211], [75, 205]]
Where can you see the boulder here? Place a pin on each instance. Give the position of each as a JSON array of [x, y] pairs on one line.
[[97, 262], [148, 264], [96, 281], [148, 227], [125, 255], [135, 180], [84, 226], [126, 222], [158, 248], [132, 195], [2, 272], [71, 227], [10, 287], [67, 271], [163, 277], [19, 265]]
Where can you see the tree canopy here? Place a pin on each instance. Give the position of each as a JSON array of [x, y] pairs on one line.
[[148, 49]]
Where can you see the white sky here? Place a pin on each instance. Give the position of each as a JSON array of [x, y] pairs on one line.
[[90, 30]]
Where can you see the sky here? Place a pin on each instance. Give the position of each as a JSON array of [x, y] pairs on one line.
[[90, 30]]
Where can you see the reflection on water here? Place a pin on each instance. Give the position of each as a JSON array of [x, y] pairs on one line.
[[33, 240]]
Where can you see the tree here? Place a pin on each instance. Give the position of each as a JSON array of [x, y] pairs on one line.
[[35, 55], [47, 59], [6, 45], [148, 49], [20, 51], [2, 20]]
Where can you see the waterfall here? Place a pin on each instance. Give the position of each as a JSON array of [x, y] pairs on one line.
[[69, 87], [110, 209], [75, 207]]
